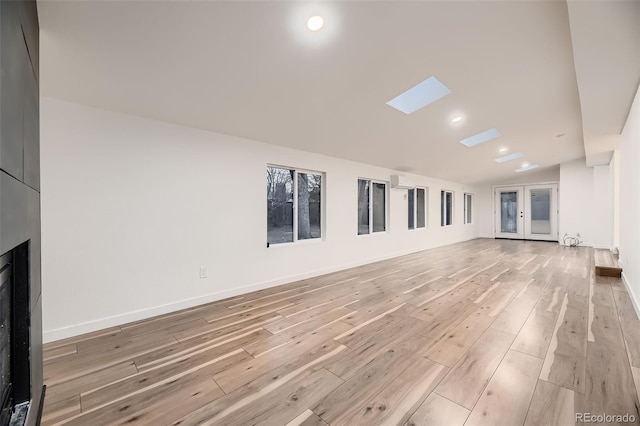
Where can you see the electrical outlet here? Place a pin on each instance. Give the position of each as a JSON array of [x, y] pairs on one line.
[[203, 272]]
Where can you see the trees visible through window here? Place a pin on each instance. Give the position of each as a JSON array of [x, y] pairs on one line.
[[417, 208], [309, 205], [379, 201], [283, 225], [446, 208], [372, 206], [363, 206], [468, 208], [279, 205]]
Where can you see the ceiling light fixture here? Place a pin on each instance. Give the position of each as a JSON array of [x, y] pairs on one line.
[[419, 96], [503, 149], [315, 23], [509, 157], [527, 167], [485, 136], [457, 119]]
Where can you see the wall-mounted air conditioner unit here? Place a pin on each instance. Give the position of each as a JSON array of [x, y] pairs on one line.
[[401, 182]]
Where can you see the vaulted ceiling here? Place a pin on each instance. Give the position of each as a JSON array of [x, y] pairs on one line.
[[253, 69]]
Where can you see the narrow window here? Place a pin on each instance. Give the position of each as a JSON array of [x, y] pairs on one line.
[[309, 208], [411, 208], [468, 208], [417, 208], [372, 206], [363, 206], [446, 208], [379, 207], [421, 207]]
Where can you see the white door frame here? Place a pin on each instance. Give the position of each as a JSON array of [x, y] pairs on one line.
[[524, 211]]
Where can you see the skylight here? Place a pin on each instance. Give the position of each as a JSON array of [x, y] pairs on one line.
[[509, 157], [419, 96], [481, 137], [524, 169]]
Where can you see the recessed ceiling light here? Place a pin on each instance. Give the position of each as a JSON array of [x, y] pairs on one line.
[[481, 137], [457, 119], [503, 149], [419, 96], [509, 157], [527, 167], [315, 23]]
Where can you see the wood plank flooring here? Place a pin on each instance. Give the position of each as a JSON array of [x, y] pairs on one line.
[[489, 332]]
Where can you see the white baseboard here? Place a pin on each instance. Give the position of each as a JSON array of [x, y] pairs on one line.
[[632, 296], [53, 335]]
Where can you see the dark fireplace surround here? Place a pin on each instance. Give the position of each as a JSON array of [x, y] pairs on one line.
[[21, 388], [15, 323]]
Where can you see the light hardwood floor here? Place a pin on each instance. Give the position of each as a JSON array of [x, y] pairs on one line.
[[486, 332]]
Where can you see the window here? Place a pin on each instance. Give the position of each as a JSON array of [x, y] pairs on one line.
[[417, 208], [468, 208], [290, 218], [446, 208], [372, 206]]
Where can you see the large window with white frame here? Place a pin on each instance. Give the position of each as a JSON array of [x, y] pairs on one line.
[[417, 208], [446, 208], [294, 205], [372, 206], [468, 208]]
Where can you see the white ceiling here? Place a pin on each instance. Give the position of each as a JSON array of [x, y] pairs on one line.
[[252, 69]]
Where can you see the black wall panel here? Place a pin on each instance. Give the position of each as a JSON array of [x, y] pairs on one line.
[[31, 131], [20, 161], [30, 28], [13, 69]]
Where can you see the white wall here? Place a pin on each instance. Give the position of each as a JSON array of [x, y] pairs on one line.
[[575, 200], [615, 164], [603, 207], [485, 211], [630, 202], [131, 208], [586, 203]]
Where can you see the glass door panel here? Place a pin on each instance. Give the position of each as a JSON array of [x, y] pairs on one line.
[[509, 213], [540, 200], [541, 212]]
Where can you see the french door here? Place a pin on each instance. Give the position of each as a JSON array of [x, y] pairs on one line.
[[528, 212]]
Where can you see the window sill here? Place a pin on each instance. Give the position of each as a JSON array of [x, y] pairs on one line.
[[373, 233], [297, 243]]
